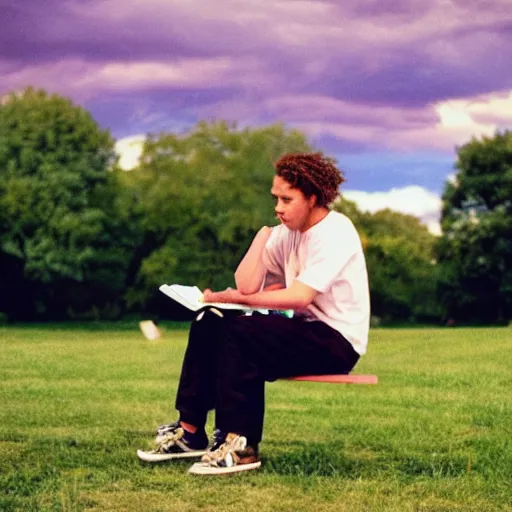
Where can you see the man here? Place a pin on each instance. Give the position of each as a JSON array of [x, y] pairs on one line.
[[313, 264]]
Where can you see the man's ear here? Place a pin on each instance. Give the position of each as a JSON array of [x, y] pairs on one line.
[[313, 200]]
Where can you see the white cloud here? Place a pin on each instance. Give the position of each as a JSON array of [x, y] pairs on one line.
[[139, 75], [411, 200], [440, 126], [129, 150], [498, 107], [461, 119], [87, 79], [452, 178]]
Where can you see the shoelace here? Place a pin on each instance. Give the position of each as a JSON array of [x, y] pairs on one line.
[[171, 439], [225, 455], [163, 430]]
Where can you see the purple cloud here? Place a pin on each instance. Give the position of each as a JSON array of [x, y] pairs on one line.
[[363, 73]]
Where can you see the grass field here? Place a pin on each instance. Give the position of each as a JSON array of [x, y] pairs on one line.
[[434, 435]]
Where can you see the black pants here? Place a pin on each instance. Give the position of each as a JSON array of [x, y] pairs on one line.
[[228, 360]]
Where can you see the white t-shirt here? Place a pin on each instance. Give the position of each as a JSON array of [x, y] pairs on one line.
[[329, 258]]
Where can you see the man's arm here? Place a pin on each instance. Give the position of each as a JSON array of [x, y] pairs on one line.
[[297, 296], [275, 286], [250, 272]]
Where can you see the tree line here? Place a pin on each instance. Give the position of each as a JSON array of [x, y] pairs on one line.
[[82, 239]]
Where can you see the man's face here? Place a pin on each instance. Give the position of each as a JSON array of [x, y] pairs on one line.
[[293, 208]]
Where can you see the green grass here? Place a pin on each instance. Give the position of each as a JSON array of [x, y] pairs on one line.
[[434, 435]]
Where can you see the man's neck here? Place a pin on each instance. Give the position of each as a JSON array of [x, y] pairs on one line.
[[316, 215]]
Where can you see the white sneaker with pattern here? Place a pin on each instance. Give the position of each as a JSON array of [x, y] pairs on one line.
[[232, 456]]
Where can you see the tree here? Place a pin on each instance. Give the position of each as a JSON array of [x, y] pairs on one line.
[[476, 248], [199, 199], [61, 242]]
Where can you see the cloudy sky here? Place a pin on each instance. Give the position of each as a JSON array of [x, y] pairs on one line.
[[387, 87]]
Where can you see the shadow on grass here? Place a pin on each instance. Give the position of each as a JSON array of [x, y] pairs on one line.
[[435, 467], [298, 458]]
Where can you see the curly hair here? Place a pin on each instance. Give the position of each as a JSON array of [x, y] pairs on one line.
[[313, 174]]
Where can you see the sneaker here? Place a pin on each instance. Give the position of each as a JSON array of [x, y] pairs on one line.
[[177, 443], [232, 456], [163, 430]]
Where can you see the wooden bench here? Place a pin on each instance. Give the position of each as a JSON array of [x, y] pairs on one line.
[[338, 379]]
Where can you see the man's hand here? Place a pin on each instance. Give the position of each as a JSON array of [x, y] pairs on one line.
[[229, 295], [250, 272]]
